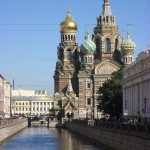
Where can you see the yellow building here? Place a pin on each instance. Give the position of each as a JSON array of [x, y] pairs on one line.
[[32, 102]]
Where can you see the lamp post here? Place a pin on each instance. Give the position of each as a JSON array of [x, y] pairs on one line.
[[93, 97], [145, 105]]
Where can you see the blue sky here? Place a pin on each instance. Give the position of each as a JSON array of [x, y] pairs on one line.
[[29, 34]]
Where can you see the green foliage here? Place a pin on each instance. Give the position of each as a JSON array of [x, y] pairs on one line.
[[111, 96]]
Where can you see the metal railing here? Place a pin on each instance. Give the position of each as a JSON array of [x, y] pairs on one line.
[[120, 125]]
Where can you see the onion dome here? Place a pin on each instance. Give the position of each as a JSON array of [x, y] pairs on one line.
[[128, 45], [88, 46], [68, 24]]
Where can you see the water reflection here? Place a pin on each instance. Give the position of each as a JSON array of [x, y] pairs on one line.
[[46, 139], [73, 142]]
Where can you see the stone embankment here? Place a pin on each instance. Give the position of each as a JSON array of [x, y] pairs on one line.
[[11, 128], [114, 138]]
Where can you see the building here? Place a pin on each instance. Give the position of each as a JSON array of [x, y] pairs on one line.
[[91, 64], [5, 98], [136, 87], [30, 102]]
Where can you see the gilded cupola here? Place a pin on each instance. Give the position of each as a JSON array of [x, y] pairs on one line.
[[128, 45], [68, 25]]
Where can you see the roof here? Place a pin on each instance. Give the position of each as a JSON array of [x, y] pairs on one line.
[[2, 77]]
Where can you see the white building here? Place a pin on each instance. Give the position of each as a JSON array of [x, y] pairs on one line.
[[136, 87], [30, 102], [5, 97]]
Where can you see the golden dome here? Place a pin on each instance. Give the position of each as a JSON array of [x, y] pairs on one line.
[[68, 24], [128, 45]]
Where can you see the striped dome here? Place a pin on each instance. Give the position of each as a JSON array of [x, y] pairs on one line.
[[88, 46]]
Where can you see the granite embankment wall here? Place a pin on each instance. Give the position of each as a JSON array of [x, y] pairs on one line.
[[12, 129], [113, 138]]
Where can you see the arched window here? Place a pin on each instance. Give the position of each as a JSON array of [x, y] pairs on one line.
[[71, 37], [116, 44], [107, 19], [108, 45], [98, 45], [65, 37], [85, 59], [104, 19]]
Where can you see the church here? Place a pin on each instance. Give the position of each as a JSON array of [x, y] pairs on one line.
[[82, 70]]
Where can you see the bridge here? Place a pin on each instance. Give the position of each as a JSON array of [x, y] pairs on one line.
[[44, 121]]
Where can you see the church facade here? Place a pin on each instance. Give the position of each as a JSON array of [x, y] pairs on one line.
[[82, 70]]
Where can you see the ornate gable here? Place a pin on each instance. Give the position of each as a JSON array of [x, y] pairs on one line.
[[106, 67]]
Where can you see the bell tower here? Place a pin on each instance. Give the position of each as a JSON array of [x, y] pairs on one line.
[[67, 54], [106, 35]]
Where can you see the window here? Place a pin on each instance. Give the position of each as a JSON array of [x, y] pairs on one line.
[[65, 37], [116, 44], [52, 104], [90, 59], [89, 101], [86, 60], [69, 37], [98, 45], [107, 19], [89, 85], [108, 45]]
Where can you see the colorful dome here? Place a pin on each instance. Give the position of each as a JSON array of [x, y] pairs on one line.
[[128, 45], [68, 24], [88, 46]]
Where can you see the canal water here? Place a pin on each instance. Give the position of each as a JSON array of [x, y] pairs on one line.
[[47, 139]]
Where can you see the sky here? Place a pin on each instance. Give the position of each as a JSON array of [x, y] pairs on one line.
[[29, 34]]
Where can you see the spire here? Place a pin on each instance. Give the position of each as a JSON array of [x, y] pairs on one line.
[[106, 8]]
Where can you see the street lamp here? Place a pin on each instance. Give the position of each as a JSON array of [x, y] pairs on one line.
[[145, 105]]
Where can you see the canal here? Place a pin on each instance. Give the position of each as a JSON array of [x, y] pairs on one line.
[[47, 139]]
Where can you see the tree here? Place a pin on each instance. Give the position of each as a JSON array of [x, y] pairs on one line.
[[111, 96]]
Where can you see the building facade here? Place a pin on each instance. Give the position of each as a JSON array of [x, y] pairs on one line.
[[136, 87], [5, 97], [91, 64], [30, 102]]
